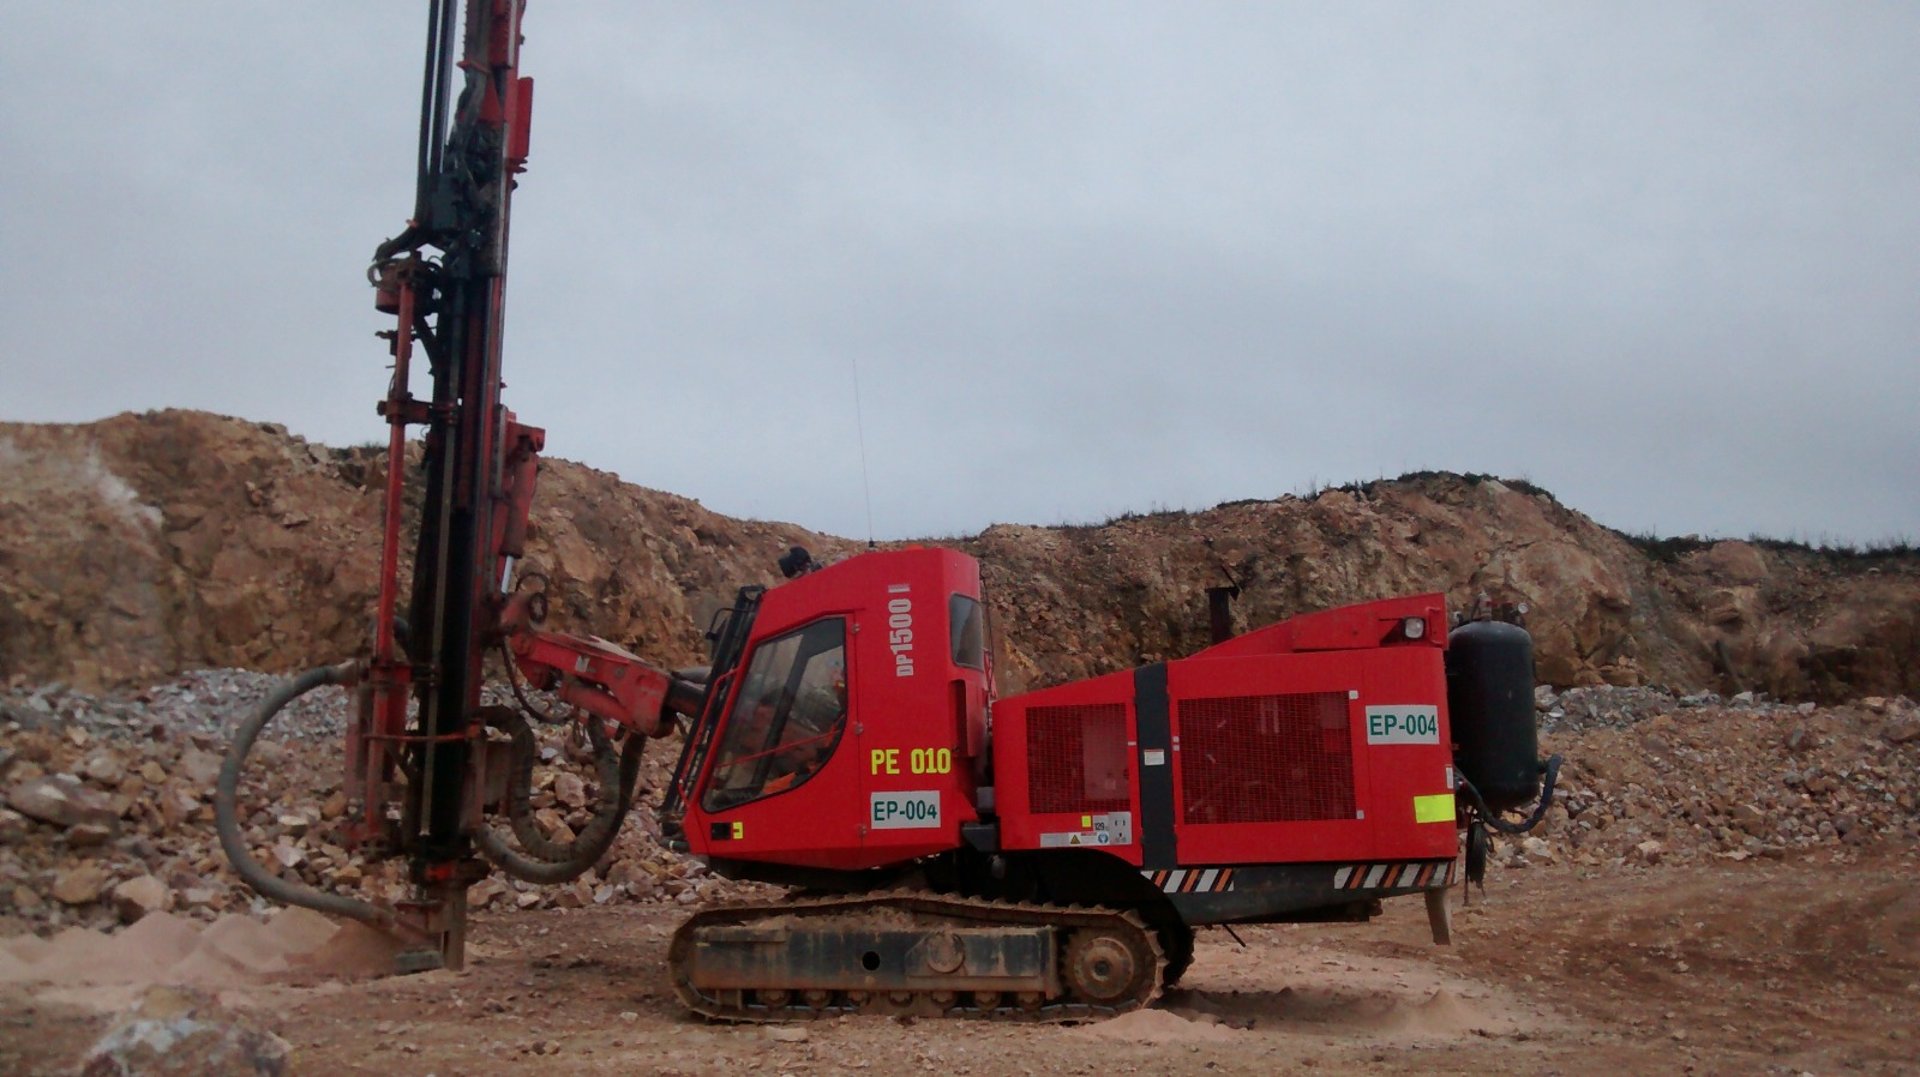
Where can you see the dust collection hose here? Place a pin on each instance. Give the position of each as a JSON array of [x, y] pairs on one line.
[[227, 820], [1550, 771]]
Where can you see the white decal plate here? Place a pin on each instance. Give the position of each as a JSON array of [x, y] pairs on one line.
[[905, 810], [1406, 723]]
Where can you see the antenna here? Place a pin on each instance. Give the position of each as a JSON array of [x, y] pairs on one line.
[[860, 428]]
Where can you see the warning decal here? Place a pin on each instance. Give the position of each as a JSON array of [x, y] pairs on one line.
[[1112, 828]]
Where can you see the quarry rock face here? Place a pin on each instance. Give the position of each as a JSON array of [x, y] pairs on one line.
[[144, 545]]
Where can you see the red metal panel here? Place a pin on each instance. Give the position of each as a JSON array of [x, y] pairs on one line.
[[1039, 783], [1266, 759], [1362, 626], [1077, 758], [1385, 777]]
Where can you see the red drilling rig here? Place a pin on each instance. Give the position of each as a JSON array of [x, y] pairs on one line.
[[1042, 856]]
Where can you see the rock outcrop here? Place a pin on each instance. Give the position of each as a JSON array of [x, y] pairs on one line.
[[144, 545]]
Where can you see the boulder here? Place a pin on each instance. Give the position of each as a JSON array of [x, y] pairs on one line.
[[139, 896], [200, 768], [78, 886], [105, 768], [568, 789], [177, 1032], [61, 801], [85, 835], [13, 826]]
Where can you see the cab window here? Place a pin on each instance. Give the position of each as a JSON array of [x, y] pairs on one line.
[[787, 717], [966, 632]]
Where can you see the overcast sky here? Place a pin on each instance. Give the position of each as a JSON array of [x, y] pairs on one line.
[[1662, 259]]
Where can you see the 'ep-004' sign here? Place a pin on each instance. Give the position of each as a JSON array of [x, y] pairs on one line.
[[915, 810], [1406, 724]]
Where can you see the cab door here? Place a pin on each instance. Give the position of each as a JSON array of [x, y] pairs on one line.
[[782, 787]]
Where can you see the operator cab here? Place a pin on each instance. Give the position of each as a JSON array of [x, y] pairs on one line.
[[846, 729]]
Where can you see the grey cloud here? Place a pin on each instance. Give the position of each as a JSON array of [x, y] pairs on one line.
[[1086, 257]]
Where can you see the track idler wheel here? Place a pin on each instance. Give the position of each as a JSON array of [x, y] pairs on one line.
[[1102, 967]]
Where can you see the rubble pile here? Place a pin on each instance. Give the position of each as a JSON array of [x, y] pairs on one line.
[[1654, 777], [108, 800], [106, 809], [1605, 706], [234, 950]]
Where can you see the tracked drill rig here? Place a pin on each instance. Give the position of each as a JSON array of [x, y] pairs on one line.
[[1045, 856]]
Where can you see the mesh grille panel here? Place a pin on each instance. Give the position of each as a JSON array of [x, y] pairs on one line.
[[1077, 758], [1266, 759]]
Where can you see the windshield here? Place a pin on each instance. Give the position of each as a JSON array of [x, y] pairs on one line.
[[787, 717]]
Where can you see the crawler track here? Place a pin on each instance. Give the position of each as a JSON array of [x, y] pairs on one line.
[[1104, 961]]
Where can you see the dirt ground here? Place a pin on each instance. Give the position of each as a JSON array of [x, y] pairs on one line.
[[1770, 967]]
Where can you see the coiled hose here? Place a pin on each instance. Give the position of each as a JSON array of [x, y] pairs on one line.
[[520, 783], [227, 820], [1550, 769], [549, 862], [544, 860]]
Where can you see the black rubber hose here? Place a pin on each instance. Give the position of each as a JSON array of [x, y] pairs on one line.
[[597, 836], [227, 820], [520, 786], [594, 840], [527, 705], [520, 783], [684, 695], [1551, 769]]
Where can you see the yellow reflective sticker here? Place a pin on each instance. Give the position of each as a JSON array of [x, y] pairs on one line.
[[740, 829], [1437, 808], [1086, 820]]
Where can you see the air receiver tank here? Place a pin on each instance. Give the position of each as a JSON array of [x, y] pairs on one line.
[[1490, 701]]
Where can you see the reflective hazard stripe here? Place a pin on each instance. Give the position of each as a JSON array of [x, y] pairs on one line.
[[1398, 875], [1191, 880]]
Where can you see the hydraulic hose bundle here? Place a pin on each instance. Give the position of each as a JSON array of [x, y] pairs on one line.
[[537, 859], [1549, 772]]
